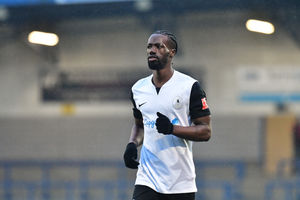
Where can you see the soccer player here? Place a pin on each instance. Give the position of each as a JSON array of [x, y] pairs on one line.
[[170, 113]]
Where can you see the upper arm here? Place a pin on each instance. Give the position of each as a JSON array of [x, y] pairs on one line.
[[139, 123], [199, 110], [136, 112], [198, 104]]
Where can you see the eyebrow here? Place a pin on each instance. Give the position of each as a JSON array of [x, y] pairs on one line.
[[160, 43]]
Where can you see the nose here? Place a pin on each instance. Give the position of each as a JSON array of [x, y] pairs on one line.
[[152, 53], [152, 50]]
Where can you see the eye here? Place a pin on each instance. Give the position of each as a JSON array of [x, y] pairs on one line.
[[159, 46]]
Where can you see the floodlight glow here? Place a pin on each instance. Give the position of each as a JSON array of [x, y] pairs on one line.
[[260, 26], [43, 38]]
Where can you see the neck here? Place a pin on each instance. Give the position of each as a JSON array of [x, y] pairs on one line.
[[160, 77]]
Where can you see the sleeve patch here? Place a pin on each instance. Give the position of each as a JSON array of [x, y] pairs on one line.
[[204, 104]]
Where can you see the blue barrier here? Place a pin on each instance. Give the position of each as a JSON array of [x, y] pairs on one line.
[[118, 187], [45, 184], [290, 186], [231, 188]]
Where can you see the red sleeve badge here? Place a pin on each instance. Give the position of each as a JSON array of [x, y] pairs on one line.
[[204, 103]]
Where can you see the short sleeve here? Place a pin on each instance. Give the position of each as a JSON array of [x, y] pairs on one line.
[[132, 100], [198, 102], [136, 112]]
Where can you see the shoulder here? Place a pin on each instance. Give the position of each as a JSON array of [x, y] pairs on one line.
[[142, 83], [185, 80], [184, 77], [197, 90]]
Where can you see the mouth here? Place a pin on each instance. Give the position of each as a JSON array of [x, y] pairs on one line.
[[152, 58]]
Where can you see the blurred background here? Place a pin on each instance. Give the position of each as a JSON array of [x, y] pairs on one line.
[[67, 66]]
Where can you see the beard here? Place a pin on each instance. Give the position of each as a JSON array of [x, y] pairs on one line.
[[158, 64], [155, 65]]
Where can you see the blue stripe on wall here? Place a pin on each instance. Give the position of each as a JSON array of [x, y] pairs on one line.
[[258, 97], [25, 2], [39, 2]]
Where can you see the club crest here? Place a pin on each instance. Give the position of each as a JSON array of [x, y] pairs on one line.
[[177, 103]]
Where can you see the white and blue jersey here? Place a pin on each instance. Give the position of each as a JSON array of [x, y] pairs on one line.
[[166, 161]]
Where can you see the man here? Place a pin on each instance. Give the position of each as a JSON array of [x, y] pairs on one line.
[[170, 112]]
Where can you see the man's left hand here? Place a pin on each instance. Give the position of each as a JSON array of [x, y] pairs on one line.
[[163, 124]]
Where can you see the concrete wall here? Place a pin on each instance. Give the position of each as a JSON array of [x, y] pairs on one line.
[[106, 138]]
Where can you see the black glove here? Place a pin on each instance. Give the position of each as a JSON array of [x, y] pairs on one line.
[[163, 124], [130, 156]]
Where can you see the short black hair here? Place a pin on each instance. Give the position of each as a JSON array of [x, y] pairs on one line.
[[171, 37]]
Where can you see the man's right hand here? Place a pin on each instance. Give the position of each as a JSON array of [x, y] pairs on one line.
[[130, 156]]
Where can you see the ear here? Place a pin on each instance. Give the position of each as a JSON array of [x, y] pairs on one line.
[[172, 53]]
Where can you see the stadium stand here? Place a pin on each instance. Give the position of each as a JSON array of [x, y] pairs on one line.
[[103, 179], [286, 184]]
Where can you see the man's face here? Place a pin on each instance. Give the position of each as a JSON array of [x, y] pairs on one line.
[[157, 51]]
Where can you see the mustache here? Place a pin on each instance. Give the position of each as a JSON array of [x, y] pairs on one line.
[[153, 57]]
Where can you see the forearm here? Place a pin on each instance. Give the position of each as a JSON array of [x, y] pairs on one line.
[[137, 135], [200, 132], [131, 152]]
